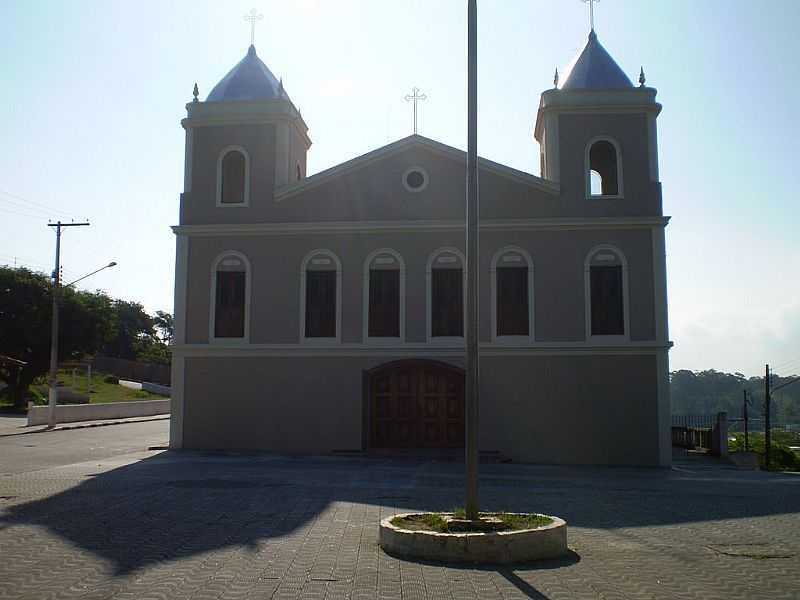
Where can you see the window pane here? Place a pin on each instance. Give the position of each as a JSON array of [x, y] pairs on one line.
[[447, 303], [233, 174], [607, 301], [512, 301], [229, 305], [320, 304], [384, 303]]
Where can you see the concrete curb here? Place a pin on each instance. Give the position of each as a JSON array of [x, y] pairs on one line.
[[85, 425], [501, 547]]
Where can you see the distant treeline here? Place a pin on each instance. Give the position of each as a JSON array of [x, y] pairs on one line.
[[709, 392]]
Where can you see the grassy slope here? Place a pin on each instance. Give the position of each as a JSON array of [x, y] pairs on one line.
[[102, 392]]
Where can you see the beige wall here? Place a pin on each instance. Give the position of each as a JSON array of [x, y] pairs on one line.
[[374, 192], [598, 409], [558, 258]]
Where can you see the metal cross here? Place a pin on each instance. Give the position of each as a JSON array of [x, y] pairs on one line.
[[591, 11], [414, 97], [253, 17]]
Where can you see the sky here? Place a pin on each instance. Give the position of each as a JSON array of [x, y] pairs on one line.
[[93, 94]]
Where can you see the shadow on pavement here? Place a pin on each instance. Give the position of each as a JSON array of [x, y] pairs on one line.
[[178, 504]]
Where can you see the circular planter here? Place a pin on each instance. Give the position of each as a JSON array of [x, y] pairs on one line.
[[496, 547]]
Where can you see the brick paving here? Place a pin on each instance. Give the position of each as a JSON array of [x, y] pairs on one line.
[[199, 526]]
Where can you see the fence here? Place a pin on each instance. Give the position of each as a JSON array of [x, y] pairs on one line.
[[705, 432], [133, 370]]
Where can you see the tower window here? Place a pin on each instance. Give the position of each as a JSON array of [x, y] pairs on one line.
[[603, 169], [233, 186]]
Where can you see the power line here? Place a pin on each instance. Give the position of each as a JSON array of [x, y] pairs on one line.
[[38, 205]]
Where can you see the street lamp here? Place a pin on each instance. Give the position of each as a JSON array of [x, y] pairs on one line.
[[53, 393]]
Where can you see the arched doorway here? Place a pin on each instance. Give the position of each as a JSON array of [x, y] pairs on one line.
[[415, 404]]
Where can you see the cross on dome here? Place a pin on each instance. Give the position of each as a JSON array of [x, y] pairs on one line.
[[253, 17], [591, 12]]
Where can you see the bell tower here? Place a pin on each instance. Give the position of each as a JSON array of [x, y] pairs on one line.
[[246, 140], [597, 134]]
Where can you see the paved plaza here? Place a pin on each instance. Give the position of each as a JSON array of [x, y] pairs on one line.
[[132, 524]]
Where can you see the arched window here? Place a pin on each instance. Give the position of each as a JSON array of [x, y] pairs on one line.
[[384, 295], [320, 297], [233, 177], [230, 297], [445, 291], [603, 168], [299, 172], [606, 284], [512, 295]]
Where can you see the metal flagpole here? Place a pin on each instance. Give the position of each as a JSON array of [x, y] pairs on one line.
[[471, 333]]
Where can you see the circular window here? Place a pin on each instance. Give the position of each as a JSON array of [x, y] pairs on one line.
[[415, 179]]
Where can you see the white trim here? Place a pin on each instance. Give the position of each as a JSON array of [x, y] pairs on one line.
[[248, 276], [220, 158], [663, 409], [515, 340], [419, 350], [179, 301], [587, 169], [402, 145], [425, 179], [543, 224], [660, 285], [455, 340], [303, 266], [587, 299], [365, 295], [188, 159], [177, 401]]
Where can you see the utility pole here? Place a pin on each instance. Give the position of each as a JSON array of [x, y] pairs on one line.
[[767, 432], [53, 393], [471, 333], [744, 414]]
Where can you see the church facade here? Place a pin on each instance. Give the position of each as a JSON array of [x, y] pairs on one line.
[[325, 313]]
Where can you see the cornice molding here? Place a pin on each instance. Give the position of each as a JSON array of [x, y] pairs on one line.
[[556, 224], [417, 350]]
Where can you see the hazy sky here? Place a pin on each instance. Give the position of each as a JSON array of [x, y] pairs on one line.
[[93, 93]]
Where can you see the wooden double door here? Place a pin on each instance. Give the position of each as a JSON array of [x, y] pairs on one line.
[[416, 404]]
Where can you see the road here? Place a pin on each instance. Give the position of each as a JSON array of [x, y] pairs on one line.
[[26, 452]]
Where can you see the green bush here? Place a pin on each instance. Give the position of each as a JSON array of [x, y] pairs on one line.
[[782, 458], [111, 379]]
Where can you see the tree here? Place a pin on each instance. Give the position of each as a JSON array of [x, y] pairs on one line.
[[132, 330], [165, 325], [25, 318]]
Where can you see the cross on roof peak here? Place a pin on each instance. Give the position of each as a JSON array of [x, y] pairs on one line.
[[591, 12], [253, 17]]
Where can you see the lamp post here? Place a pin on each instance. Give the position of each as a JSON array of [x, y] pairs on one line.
[[53, 392]]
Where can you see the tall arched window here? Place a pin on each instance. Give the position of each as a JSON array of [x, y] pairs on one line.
[[384, 296], [233, 177], [606, 283], [320, 297], [230, 297], [603, 168], [512, 295], [445, 287]]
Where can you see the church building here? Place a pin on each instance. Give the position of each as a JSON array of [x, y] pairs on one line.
[[325, 313]]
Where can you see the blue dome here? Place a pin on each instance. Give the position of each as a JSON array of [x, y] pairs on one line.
[[248, 80], [595, 69]]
